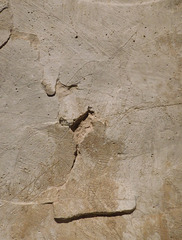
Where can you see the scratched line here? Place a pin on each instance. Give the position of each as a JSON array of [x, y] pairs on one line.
[[139, 3]]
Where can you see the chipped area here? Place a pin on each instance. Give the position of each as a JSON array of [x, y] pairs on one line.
[[81, 195]]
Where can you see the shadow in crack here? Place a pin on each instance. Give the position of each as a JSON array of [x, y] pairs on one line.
[[93, 215]]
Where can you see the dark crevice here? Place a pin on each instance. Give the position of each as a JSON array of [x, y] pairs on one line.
[[45, 203], [72, 86], [4, 44], [93, 215], [76, 122], [51, 95], [63, 122], [75, 154], [6, 7]]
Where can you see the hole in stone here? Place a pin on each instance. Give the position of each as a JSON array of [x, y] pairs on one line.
[[77, 122]]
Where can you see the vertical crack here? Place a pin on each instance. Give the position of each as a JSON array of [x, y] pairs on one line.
[[74, 125], [75, 154]]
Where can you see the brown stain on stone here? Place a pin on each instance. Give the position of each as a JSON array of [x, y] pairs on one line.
[[175, 217], [155, 223], [117, 226], [170, 43], [32, 38], [29, 220], [169, 195], [173, 4], [163, 227], [100, 152], [98, 148], [36, 175]]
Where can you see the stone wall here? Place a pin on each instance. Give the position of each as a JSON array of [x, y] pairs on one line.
[[91, 120]]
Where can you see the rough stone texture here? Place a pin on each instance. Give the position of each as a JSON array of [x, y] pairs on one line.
[[91, 119]]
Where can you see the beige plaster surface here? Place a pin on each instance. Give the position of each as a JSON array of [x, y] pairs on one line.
[[90, 119]]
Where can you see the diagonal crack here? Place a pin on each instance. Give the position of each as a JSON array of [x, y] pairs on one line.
[[4, 43], [5, 7], [76, 122]]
